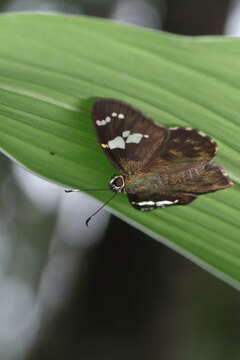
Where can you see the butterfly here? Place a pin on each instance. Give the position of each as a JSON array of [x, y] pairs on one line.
[[158, 166]]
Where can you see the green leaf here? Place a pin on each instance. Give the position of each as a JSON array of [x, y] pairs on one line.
[[51, 68]]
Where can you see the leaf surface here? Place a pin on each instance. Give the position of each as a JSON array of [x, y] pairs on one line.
[[51, 69]]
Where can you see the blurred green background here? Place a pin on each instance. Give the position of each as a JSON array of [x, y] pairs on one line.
[[109, 291]]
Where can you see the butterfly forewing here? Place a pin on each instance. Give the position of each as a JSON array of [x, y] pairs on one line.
[[185, 149], [128, 138]]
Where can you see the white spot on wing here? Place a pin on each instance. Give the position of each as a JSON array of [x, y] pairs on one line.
[[166, 202], [134, 138], [104, 121], [126, 133], [121, 116], [224, 172], [153, 204], [117, 143], [101, 122], [143, 203], [120, 142], [114, 114], [202, 134], [104, 146]]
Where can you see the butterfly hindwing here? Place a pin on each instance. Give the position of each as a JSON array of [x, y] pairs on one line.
[[143, 203], [212, 178], [127, 136]]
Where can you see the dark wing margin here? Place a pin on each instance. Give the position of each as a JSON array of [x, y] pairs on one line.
[[126, 135]]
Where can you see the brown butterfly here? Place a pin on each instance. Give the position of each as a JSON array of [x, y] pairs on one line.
[[158, 166]]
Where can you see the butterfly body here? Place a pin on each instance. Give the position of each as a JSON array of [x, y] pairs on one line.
[[159, 166]]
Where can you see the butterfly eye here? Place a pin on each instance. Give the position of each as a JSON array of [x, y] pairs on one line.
[[117, 183]]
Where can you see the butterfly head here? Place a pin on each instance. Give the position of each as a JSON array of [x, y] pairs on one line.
[[117, 184]]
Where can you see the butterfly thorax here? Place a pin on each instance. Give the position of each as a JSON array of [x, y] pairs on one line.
[[155, 183], [132, 184], [151, 183]]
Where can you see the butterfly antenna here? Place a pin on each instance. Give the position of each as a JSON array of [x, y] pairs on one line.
[[99, 209], [76, 190]]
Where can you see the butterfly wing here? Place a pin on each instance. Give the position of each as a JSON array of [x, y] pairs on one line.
[[161, 166], [178, 172], [212, 178], [127, 136], [184, 163], [185, 148], [150, 202]]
